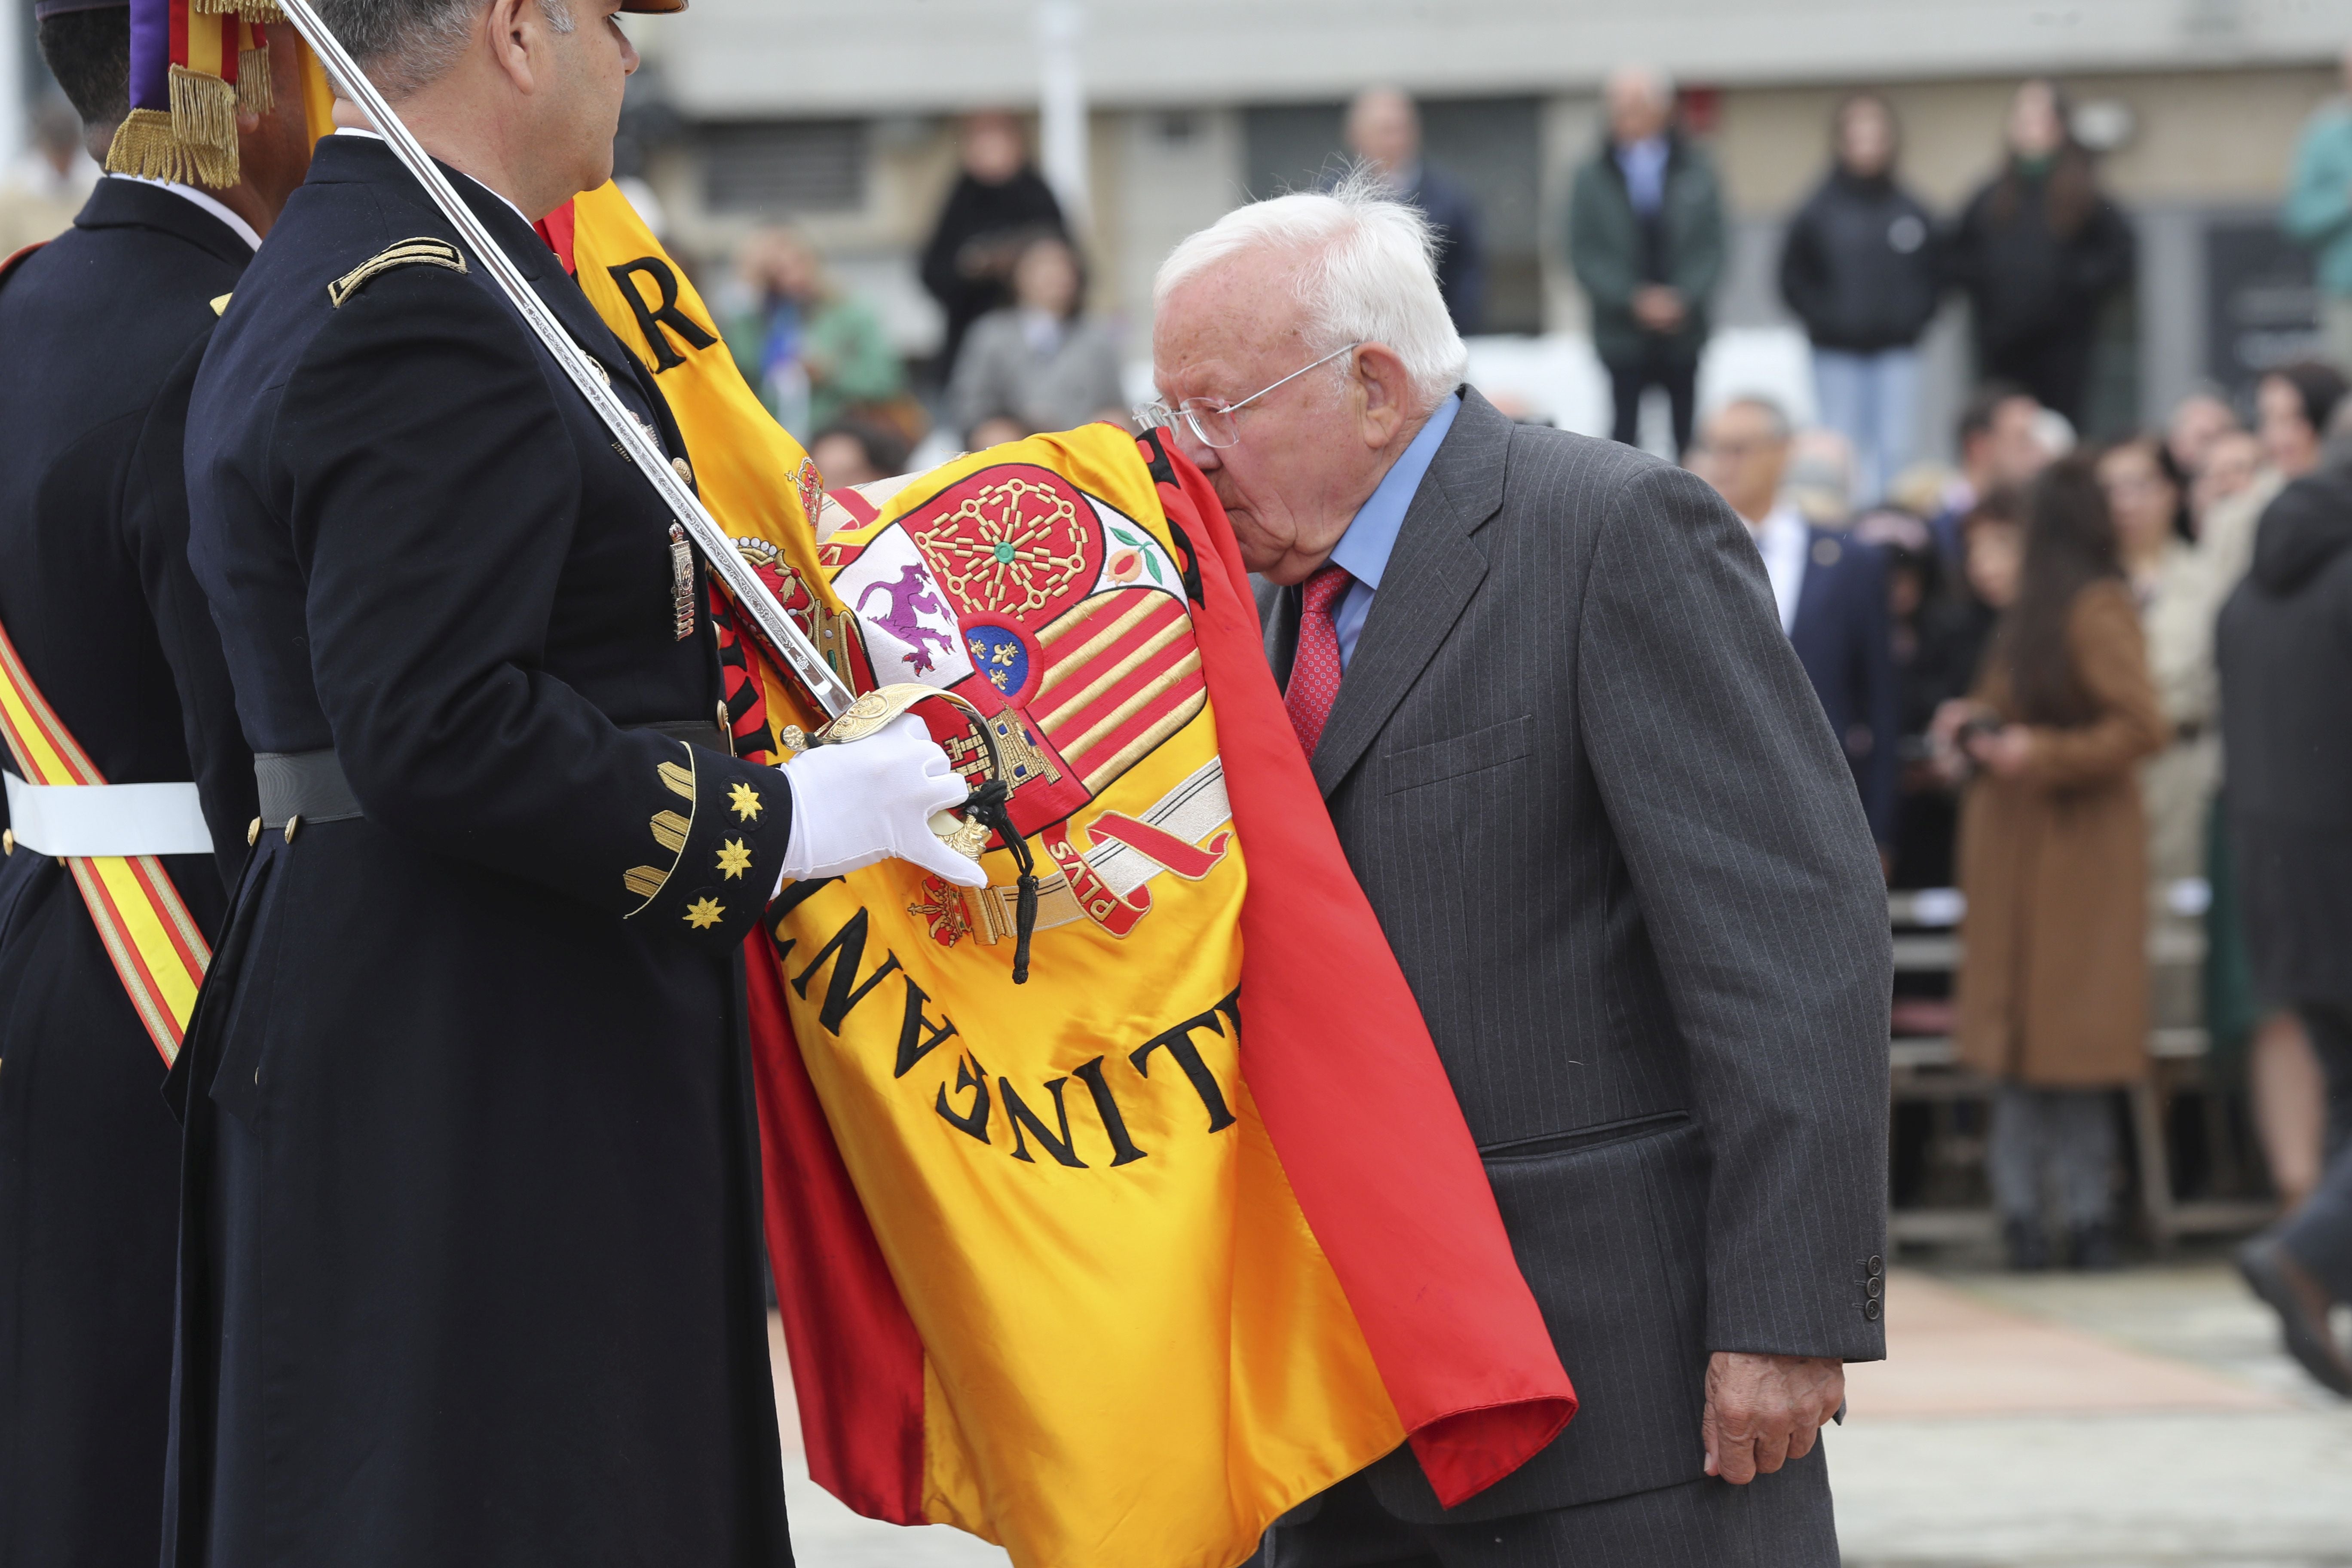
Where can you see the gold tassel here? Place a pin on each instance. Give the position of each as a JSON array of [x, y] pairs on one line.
[[253, 95], [250, 10], [203, 121], [144, 145]]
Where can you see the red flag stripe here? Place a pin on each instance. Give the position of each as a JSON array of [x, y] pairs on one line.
[[1148, 718], [856, 1359]]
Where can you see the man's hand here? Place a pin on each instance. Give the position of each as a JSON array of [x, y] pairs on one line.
[[1764, 1410], [1659, 308]]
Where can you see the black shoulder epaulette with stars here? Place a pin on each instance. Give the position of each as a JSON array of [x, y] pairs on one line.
[[715, 838]]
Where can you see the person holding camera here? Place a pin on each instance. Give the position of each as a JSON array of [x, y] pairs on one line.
[[2052, 990]]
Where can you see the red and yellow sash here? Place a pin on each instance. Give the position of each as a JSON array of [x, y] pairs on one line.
[[158, 952]]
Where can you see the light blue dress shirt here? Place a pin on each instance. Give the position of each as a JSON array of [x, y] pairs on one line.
[[1645, 166], [1363, 551]]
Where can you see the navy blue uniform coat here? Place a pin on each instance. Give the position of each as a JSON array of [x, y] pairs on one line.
[[470, 1270], [104, 326]]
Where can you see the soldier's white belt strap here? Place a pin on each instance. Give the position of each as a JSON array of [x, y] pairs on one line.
[[94, 820]]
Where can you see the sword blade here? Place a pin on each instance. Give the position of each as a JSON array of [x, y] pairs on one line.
[[784, 641]]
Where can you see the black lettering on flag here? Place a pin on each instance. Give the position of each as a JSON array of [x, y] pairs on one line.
[[1123, 1149], [1178, 1042], [912, 1044], [849, 944], [1021, 1116], [975, 1122], [794, 895], [662, 312]]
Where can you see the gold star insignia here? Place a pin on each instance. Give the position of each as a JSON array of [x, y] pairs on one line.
[[703, 913], [733, 858], [745, 800]]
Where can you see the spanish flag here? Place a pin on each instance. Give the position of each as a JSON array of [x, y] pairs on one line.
[[1115, 1266]]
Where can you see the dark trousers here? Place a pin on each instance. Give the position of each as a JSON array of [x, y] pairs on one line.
[[1659, 365], [2320, 1233], [1782, 1519]]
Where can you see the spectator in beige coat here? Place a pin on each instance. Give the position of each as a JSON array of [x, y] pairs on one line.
[[2168, 577], [2053, 991]]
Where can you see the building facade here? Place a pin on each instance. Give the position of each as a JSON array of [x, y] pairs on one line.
[[837, 115]]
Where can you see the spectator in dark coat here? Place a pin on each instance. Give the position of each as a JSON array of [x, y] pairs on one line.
[[1830, 591], [1863, 268], [1384, 131], [999, 204], [2285, 650], [2040, 250], [1645, 237]]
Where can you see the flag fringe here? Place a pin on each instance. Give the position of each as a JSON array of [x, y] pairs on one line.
[[145, 146], [254, 94], [203, 121], [250, 10]]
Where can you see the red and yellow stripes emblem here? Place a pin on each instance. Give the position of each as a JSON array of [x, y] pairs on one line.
[[157, 951]]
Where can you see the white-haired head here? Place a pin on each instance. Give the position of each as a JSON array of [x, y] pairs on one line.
[[1366, 273], [1641, 103]]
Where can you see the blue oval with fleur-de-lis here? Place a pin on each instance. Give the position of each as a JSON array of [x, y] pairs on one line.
[[998, 653]]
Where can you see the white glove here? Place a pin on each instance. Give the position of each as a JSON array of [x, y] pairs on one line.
[[862, 802]]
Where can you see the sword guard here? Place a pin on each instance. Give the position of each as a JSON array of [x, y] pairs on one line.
[[966, 829]]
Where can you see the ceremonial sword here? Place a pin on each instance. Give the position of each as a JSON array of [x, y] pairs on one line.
[[852, 717], [784, 641]]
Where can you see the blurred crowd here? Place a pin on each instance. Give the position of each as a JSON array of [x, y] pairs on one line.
[[2099, 690], [1021, 354], [2102, 693]]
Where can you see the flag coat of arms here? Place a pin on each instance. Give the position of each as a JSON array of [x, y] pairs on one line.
[[1114, 1267]]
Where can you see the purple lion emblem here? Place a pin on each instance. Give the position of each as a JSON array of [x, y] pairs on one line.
[[910, 598]]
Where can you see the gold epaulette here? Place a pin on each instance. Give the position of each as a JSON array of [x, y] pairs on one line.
[[407, 253]]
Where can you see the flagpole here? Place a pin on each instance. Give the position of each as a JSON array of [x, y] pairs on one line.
[[784, 639]]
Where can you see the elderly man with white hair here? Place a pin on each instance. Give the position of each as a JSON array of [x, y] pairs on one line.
[[1607, 830]]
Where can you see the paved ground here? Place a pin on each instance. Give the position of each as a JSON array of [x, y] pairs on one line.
[[2143, 1419]]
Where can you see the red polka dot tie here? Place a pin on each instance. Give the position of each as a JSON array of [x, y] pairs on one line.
[[1315, 672]]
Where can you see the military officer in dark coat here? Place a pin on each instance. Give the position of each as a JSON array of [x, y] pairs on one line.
[[104, 327], [470, 1252]]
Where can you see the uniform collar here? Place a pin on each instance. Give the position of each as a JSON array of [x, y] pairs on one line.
[[378, 136], [120, 203], [1364, 550], [204, 200], [366, 158]]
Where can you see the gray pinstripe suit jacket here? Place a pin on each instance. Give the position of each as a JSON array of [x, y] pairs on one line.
[[1593, 799]]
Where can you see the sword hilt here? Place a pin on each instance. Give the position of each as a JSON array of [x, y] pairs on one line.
[[966, 829]]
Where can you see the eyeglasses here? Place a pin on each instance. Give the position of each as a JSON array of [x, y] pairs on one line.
[[1211, 419]]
